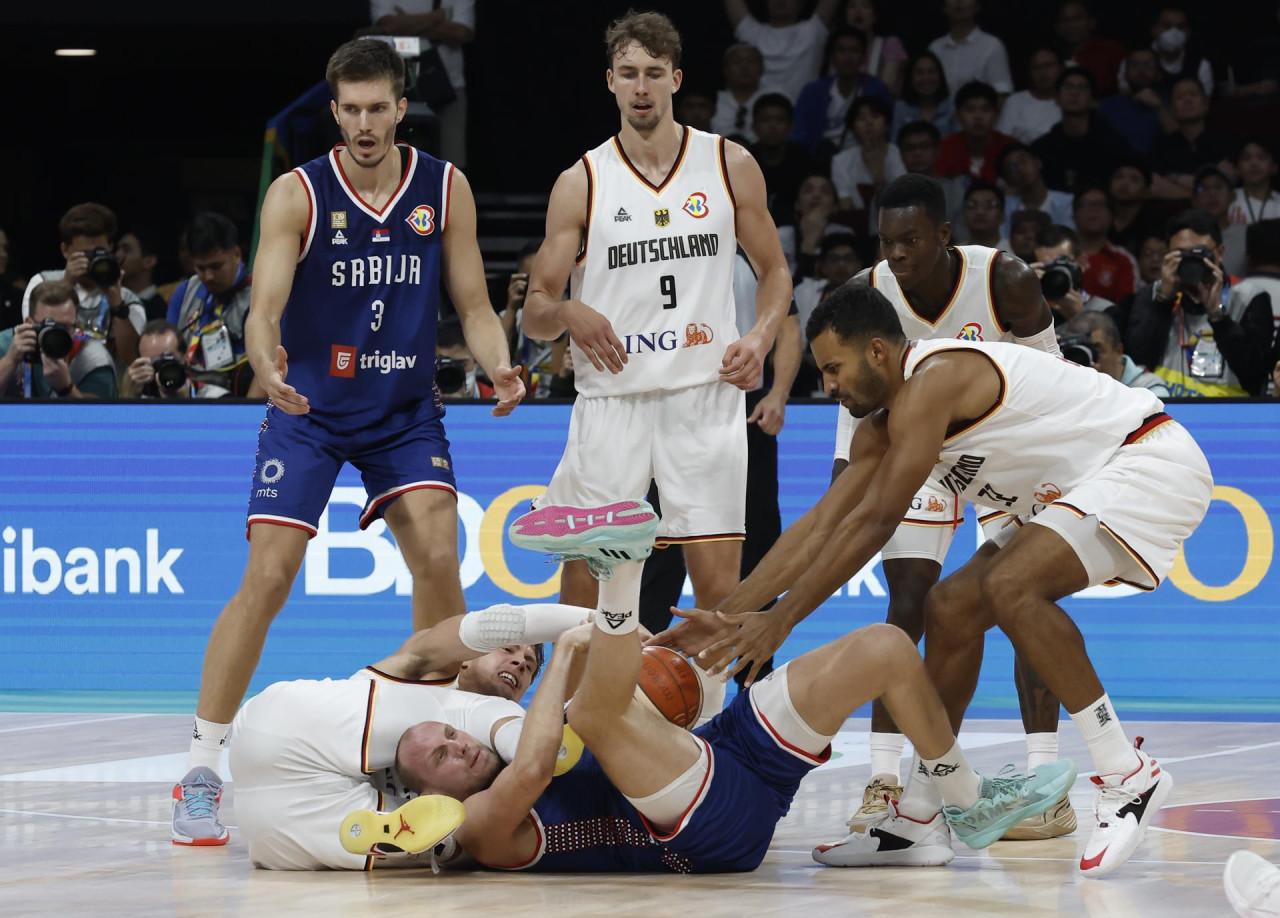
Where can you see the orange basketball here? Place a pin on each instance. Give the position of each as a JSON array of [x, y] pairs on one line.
[[669, 682]]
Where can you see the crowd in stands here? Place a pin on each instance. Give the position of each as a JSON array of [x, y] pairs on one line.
[[1100, 150]]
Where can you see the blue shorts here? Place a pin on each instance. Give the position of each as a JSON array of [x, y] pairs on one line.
[[299, 458]]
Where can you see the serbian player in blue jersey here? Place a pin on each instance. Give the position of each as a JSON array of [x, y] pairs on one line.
[[354, 246], [650, 796]]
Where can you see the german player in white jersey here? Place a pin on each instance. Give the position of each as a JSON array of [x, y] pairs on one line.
[[973, 293], [644, 229], [1119, 486]]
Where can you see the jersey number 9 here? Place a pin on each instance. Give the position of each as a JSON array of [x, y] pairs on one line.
[[667, 285]]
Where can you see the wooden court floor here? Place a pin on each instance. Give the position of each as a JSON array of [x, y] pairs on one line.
[[84, 814]]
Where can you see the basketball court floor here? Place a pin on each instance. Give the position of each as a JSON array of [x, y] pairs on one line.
[[84, 827]]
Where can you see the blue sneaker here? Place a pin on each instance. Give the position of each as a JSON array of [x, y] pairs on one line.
[[601, 536], [195, 810], [1007, 799]]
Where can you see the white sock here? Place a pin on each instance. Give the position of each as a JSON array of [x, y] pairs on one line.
[[1042, 748], [618, 611], [954, 777], [1111, 750], [713, 690], [886, 754], [920, 799], [207, 742]]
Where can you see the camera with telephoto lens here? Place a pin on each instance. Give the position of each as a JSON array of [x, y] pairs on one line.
[[52, 340], [1079, 349], [1194, 267], [171, 371], [103, 267], [451, 375], [1060, 277]]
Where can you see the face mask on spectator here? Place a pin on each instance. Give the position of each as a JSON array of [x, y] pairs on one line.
[[1172, 40]]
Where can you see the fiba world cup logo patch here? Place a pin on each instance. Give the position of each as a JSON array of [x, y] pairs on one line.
[[422, 220], [696, 205], [971, 332]]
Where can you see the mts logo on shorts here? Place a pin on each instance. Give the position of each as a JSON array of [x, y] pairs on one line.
[[342, 361]]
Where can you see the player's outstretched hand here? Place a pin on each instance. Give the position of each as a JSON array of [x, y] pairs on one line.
[[594, 334], [743, 363], [757, 639], [699, 630], [509, 388], [284, 397]]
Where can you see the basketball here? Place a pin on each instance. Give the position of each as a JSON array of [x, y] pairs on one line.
[[671, 686]]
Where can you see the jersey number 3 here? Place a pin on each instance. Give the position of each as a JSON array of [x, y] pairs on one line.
[[667, 286], [377, 306]]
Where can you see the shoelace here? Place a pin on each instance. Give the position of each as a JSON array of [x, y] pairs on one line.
[[197, 804], [601, 570], [1110, 800]]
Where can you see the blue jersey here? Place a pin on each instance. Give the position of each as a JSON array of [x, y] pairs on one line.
[[360, 323]]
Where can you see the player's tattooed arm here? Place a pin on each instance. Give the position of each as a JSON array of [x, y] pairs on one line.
[[1019, 303]]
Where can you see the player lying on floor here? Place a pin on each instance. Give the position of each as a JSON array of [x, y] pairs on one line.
[[649, 796]]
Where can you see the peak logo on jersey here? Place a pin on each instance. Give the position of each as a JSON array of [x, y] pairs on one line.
[[339, 238], [342, 361], [622, 216], [935, 506], [382, 234], [662, 217], [423, 220], [971, 332], [695, 335], [696, 205], [1048, 493], [337, 219]]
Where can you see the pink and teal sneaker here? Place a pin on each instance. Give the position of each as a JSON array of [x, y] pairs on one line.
[[601, 536]]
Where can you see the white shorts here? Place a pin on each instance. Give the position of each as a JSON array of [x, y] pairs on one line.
[[931, 523], [692, 442], [1128, 522]]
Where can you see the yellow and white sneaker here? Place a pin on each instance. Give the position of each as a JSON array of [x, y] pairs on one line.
[[420, 824], [874, 806], [1058, 820]]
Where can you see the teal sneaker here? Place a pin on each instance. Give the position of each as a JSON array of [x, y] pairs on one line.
[[601, 536], [1007, 799]]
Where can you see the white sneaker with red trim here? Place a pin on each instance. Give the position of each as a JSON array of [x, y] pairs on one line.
[[894, 840], [1124, 807], [1252, 885]]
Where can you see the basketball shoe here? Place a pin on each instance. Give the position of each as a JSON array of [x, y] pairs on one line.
[[1007, 799], [420, 824], [1123, 808], [1252, 885], [894, 840], [875, 797], [195, 810], [1059, 819], [601, 536]]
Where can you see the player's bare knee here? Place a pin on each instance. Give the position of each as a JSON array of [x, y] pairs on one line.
[[1005, 594], [265, 591], [890, 645], [587, 720]]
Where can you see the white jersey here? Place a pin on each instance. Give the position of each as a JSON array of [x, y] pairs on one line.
[[657, 262], [1054, 425]]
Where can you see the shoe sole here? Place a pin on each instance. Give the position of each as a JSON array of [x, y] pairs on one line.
[[926, 856], [546, 529], [427, 820], [1059, 825], [1053, 794], [1163, 789], [184, 842], [1239, 901]]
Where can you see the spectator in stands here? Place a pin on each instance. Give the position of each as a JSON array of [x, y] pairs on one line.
[[1187, 327], [1175, 157], [743, 68], [885, 55], [1262, 245], [837, 262], [162, 344], [137, 255], [862, 170], [1062, 242], [448, 25], [185, 269], [810, 223], [1032, 112], [511, 312], [1133, 217], [1253, 61], [548, 368], [1213, 194], [1073, 29], [455, 365], [1025, 188], [1177, 54], [1025, 226], [27, 370], [983, 216], [695, 107], [969, 54], [792, 47], [925, 97], [1110, 272], [108, 310], [1081, 149], [1256, 199], [972, 150], [209, 308], [783, 164], [1138, 114], [1095, 334], [1151, 254], [822, 111], [920, 146], [12, 284]]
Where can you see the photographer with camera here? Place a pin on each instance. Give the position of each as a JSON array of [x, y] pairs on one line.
[[1061, 264], [455, 367], [1092, 339], [209, 308], [1189, 329], [108, 311], [161, 369], [48, 356]]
